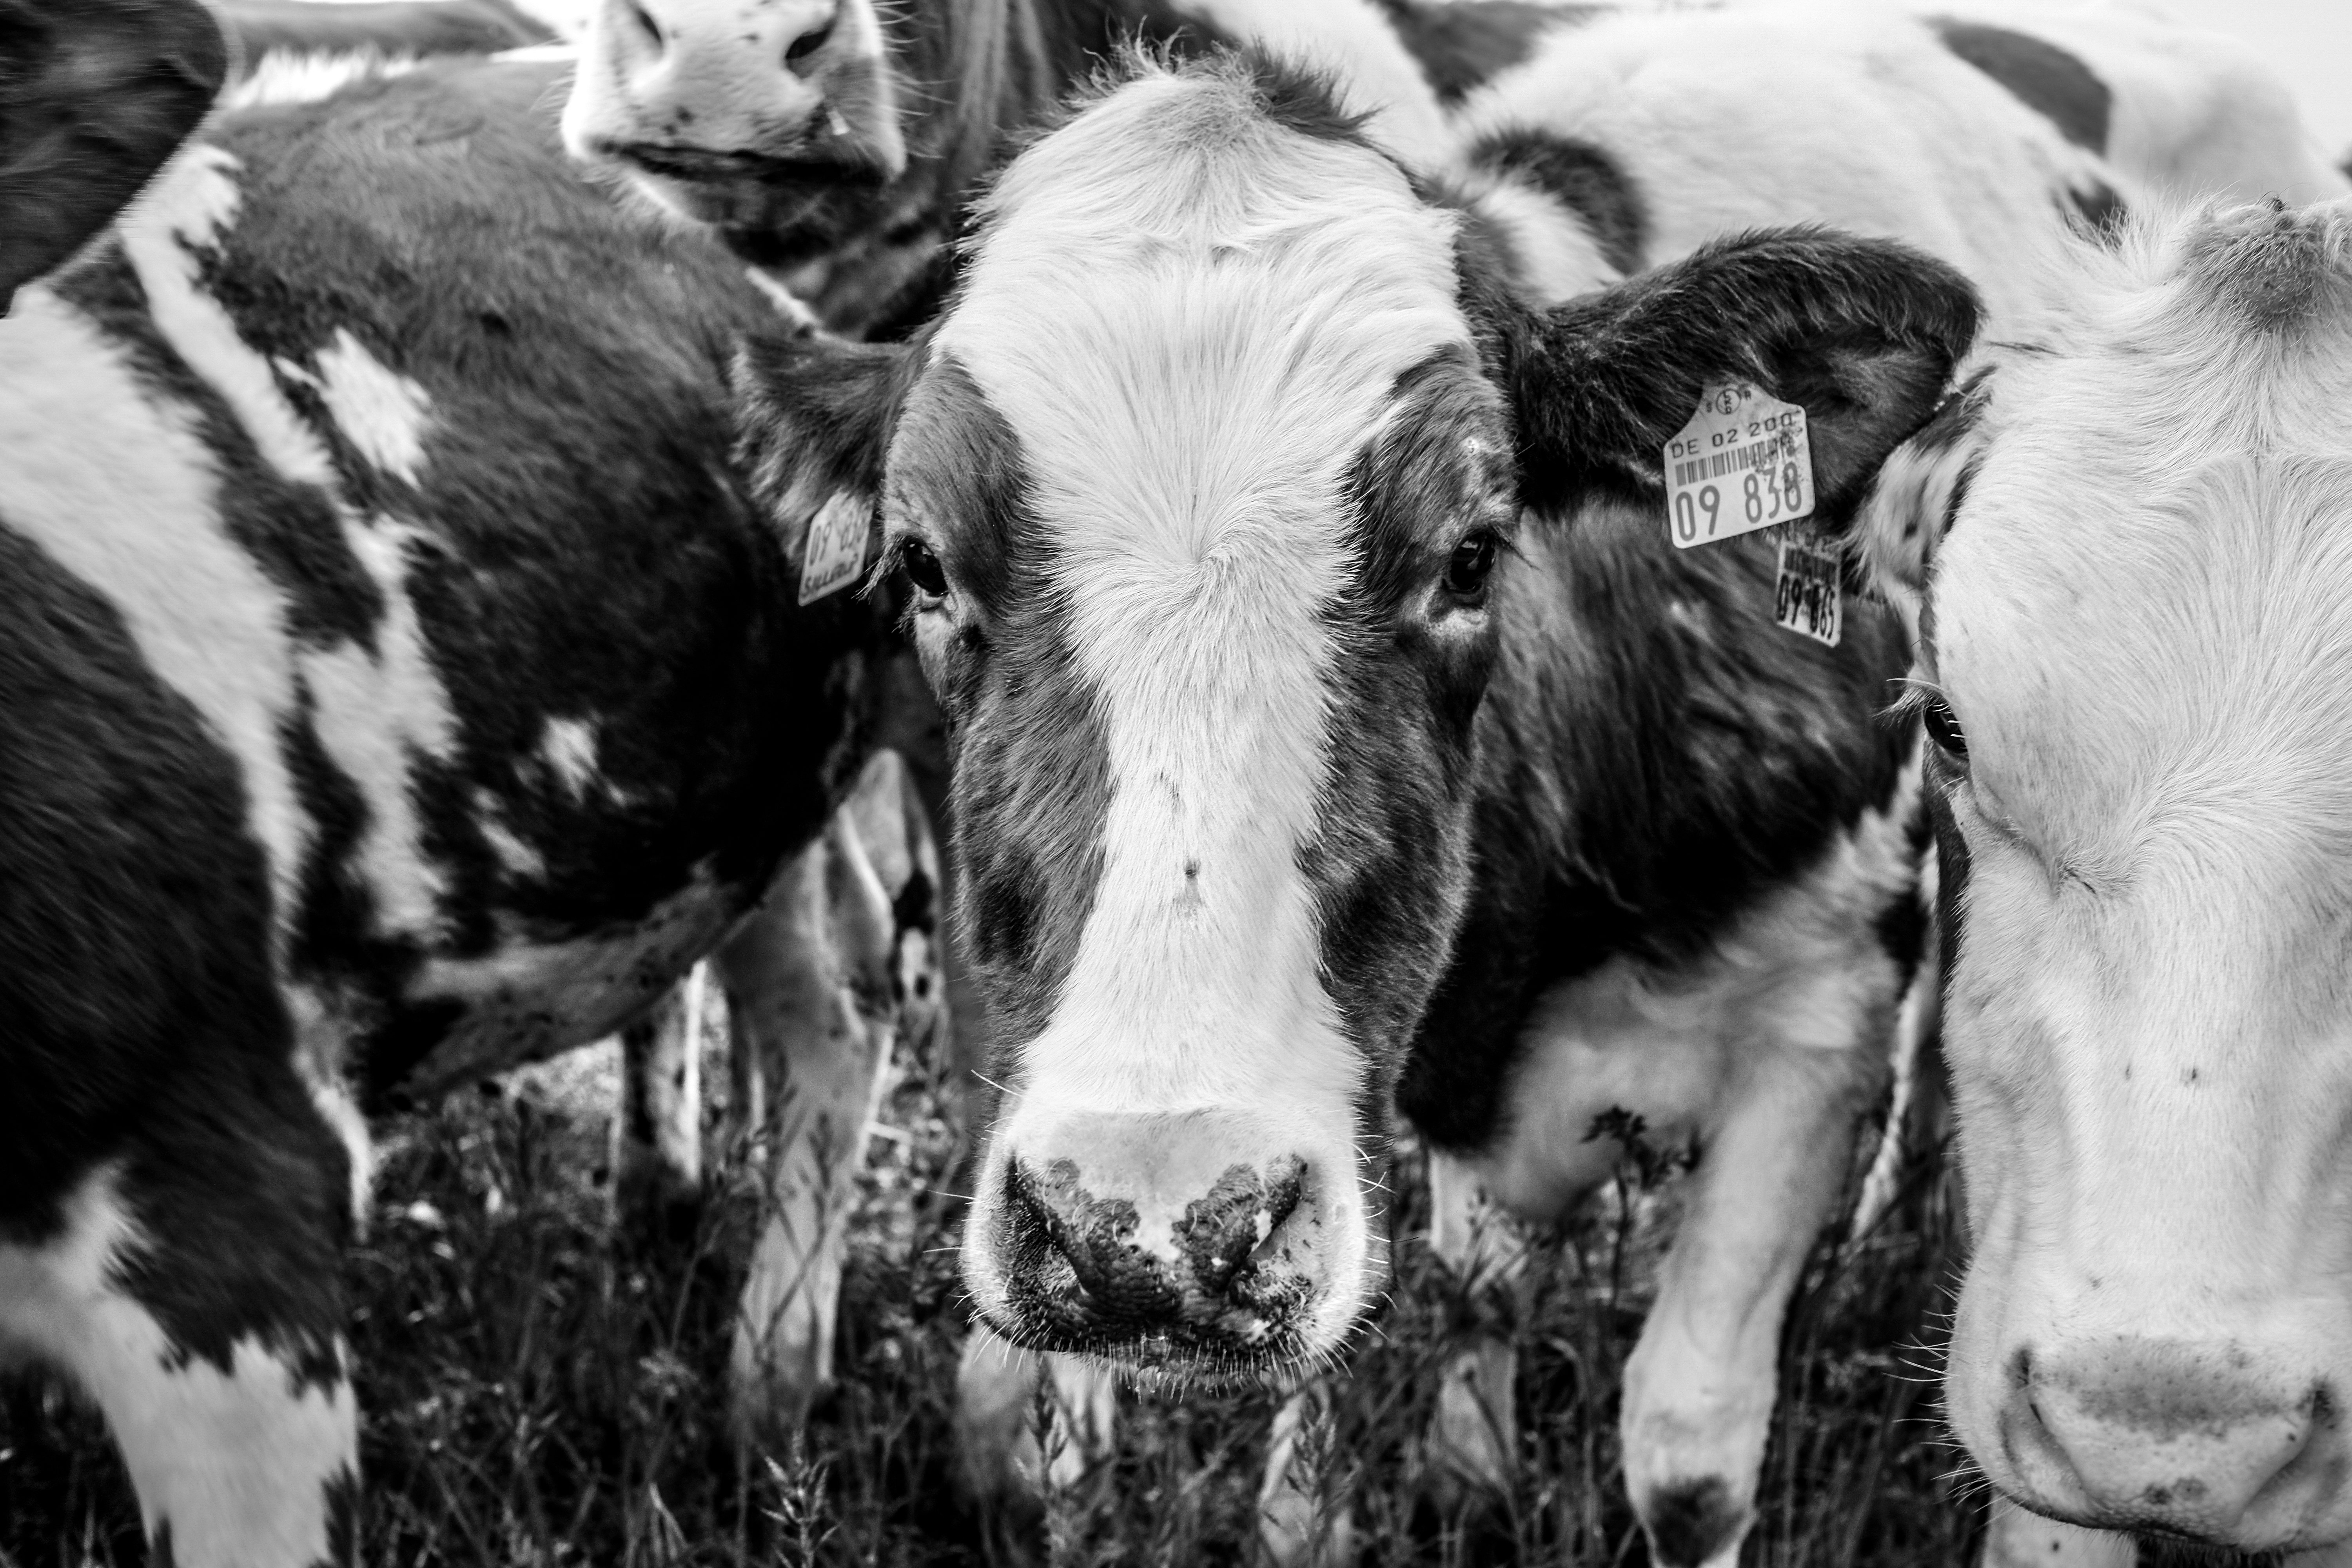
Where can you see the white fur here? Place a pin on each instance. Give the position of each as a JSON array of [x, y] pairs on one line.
[[381, 412], [568, 746], [289, 77], [235, 1462], [1188, 430]]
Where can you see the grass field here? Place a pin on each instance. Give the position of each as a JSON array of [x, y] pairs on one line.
[[540, 1387]]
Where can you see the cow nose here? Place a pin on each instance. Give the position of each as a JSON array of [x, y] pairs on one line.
[[2193, 1440], [1116, 1235]]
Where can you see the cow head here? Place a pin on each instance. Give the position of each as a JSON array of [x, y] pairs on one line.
[[2128, 549], [1206, 488], [94, 96], [793, 125]]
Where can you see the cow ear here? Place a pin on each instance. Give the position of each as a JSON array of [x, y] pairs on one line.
[[1861, 333], [813, 420], [1920, 487], [94, 96]]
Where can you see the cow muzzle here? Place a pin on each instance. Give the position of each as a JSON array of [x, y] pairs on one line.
[[1199, 1244], [2205, 1442]]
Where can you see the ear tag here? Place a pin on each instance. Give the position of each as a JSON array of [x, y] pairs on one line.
[[836, 548], [1807, 598], [1742, 463]]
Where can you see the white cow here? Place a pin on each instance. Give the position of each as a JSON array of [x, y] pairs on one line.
[[2128, 551]]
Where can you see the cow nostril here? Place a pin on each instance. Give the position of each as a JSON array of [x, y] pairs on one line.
[[647, 27], [798, 51]]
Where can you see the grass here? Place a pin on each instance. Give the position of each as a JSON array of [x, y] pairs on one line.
[[543, 1385]]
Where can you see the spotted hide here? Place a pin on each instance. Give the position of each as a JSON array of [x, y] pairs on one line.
[[1334, 721], [400, 687]]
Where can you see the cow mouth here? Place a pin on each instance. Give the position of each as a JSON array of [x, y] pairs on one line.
[[715, 166], [1169, 1361]]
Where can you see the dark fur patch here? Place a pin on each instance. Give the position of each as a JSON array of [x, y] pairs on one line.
[[1462, 45], [1302, 99], [1863, 334], [94, 96], [1690, 1521], [1583, 178], [2271, 266], [2044, 77], [2096, 209]]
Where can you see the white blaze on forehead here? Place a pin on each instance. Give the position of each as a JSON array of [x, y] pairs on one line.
[[1193, 319]]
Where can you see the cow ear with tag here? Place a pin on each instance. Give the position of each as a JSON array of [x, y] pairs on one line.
[[94, 96], [813, 416], [1861, 333]]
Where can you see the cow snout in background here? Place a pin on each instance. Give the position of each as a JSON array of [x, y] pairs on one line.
[[1151, 1231], [750, 117]]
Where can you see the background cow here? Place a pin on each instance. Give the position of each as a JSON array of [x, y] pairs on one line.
[[2125, 546], [400, 687]]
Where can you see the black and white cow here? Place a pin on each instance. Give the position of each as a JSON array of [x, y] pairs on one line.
[[399, 686], [1331, 715], [2129, 550]]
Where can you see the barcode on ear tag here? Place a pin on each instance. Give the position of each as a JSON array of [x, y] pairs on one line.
[[1807, 598], [1742, 463], [836, 547]]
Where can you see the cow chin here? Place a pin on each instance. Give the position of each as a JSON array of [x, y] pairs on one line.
[[1224, 1245]]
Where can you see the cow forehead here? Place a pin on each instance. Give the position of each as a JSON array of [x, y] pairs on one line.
[[2156, 660], [1192, 317]]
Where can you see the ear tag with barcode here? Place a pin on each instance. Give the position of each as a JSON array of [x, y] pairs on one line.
[[836, 547], [1807, 597], [1742, 463]]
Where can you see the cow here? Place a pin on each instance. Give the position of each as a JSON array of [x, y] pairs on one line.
[[2124, 547], [1330, 718], [401, 686], [836, 141]]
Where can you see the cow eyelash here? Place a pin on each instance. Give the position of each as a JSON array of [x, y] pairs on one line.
[[1925, 702]]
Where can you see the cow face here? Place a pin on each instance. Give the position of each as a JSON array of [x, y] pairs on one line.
[[780, 117], [1205, 488], [2139, 681]]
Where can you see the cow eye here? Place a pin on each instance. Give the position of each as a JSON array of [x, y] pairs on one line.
[[1473, 558], [922, 568], [1943, 727]]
